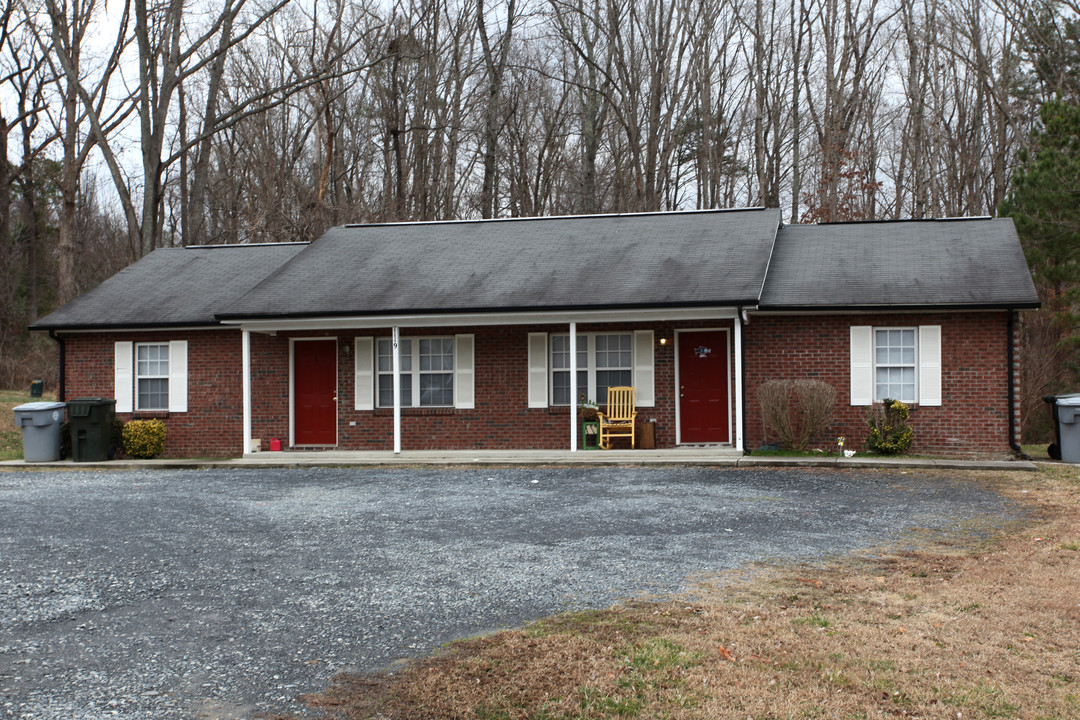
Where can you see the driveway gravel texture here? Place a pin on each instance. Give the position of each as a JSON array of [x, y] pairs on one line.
[[228, 593]]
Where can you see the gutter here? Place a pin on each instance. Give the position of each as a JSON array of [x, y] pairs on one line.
[[228, 318], [61, 385], [946, 307]]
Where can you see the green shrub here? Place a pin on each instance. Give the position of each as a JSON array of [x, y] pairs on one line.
[[144, 438], [889, 431]]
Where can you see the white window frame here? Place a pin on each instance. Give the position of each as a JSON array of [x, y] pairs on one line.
[[590, 367], [928, 370], [414, 372], [125, 379], [163, 348], [913, 365]]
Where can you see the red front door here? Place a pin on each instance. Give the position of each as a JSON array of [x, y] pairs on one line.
[[315, 392], [704, 410]]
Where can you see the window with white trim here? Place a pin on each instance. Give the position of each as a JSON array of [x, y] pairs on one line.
[[152, 376], [895, 364], [603, 359], [426, 374]]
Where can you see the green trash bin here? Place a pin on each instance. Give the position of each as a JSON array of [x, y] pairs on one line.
[[91, 421]]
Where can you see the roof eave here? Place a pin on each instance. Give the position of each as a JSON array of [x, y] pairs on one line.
[[113, 326], [505, 310], [935, 307]]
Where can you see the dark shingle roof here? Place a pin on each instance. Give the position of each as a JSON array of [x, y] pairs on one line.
[[971, 262], [662, 259], [172, 287], [686, 259]]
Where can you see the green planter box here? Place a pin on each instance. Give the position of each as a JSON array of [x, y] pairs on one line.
[[590, 435]]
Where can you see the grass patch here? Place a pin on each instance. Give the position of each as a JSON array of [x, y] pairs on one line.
[[10, 435], [986, 630], [1037, 452]]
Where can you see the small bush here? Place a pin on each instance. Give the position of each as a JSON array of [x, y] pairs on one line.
[[144, 438], [795, 411], [889, 432]]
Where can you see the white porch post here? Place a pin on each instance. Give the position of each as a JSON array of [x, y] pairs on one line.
[[397, 390], [573, 387], [738, 384], [245, 354]]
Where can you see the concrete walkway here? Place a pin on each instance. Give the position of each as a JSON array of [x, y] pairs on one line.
[[702, 456]]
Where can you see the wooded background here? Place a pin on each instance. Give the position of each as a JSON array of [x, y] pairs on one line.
[[144, 124]]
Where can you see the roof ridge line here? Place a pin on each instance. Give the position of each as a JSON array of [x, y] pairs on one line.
[[886, 221], [655, 213], [239, 245]]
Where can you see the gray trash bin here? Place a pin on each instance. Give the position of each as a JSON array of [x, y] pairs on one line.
[[1066, 412], [40, 423]]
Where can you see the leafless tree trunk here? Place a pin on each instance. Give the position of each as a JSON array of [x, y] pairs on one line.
[[495, 58]]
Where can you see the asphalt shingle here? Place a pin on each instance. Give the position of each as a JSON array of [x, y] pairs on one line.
[[975, 262], [606, 261], [172, 287]]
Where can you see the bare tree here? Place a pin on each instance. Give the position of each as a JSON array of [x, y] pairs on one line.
[[495, 58]]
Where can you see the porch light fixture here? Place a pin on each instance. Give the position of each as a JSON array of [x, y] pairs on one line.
[[663, 341]]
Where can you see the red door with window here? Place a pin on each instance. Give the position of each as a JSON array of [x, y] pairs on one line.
[[704, 410], [315, 392]]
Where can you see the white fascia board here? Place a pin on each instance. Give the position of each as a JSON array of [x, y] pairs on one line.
[[646, 315]]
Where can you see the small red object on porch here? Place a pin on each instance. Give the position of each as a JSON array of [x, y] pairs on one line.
[[275, 444]]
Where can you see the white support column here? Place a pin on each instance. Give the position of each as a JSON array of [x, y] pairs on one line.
[[738, 385], [245, 354], [573, 387], [397, 390]]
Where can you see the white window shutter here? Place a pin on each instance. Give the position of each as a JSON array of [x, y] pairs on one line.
[[644, 375], [123, 377], [178, 376], [538, 374], [930, 365], [464, 373], [364, 374], [862, 365]]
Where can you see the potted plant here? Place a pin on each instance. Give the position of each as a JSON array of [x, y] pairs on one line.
[[588, 416]]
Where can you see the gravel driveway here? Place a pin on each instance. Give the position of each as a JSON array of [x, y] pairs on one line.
[[222, 593]]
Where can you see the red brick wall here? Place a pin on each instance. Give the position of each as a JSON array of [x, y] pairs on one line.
[[213, 424], [973, 417], [501, 418]]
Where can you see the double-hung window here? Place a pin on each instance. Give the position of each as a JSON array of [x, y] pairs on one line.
[[603, 360], [152, 376], [560, 368], [426, 373], [897, 363], [894, 364]]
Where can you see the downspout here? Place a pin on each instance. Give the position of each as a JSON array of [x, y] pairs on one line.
[[1012, 387], [61, 384], [743, 319]]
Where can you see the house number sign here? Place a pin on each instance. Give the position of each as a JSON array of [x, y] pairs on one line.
[[702, 352]]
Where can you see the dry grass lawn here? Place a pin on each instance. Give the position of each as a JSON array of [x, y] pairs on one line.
[[946, 631]]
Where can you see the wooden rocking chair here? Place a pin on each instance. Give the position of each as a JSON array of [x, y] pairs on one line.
[[618, 417]]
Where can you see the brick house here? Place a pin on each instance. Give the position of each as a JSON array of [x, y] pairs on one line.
[[501, 323]]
